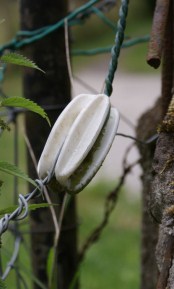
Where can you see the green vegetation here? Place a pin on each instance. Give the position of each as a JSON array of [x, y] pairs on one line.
[[114, 260]]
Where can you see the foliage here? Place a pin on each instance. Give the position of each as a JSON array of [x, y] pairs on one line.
[[31, 207], [2, 284], [24, 103], [15, 58], [15, 102], [18, 59], [15, 171], [115, 258]]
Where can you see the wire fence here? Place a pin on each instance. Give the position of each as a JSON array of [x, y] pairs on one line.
[[23, 38]]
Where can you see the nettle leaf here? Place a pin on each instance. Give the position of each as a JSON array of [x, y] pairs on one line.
[[15, 171], [26, 104], [18, 59], [31, 207]]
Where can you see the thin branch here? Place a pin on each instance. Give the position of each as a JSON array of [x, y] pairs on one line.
[[67, 51], [57, 223], [157, 34], [109, 206]]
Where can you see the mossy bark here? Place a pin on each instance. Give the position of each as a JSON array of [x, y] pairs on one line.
[[158, 187], [147, 126]]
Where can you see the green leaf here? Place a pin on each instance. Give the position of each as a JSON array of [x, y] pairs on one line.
[[24, 103], [15, 171], [31, 207], [2, 284], [50, 261], [18, 59]]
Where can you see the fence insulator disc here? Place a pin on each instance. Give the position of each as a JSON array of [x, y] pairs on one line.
[[82, 136], [60, 131], [93, 161]]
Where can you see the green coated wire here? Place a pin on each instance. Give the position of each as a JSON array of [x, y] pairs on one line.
[[33, 32], [32, 36], [115, 52], [55, 26], [102, 16], [95, 10], [16, 43], [107, 49]]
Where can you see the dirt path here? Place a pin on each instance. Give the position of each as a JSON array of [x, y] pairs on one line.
[[132, 95]]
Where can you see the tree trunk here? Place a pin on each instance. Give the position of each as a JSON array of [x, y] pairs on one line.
[[162, 200], [147, 126], [52, 91], [157, 163]]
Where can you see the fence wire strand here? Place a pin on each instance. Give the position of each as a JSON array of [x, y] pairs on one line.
[[24, 38]]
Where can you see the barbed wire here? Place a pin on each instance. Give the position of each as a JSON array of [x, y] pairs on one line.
[[23, 200], [24, 38], [18, 214]]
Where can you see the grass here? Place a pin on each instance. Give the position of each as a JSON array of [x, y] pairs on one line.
[[114, 260]]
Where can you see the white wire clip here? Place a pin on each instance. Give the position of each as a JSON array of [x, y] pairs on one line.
[[86, 128]]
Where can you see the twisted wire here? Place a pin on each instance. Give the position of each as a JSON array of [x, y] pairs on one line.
[[21, 213], [115, 52], [10, 264], [23, 38], [23, 200], [17, 215], [107, 49], [29, 37]]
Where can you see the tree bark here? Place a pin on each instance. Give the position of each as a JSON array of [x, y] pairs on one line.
[[157, 163], [147, 126], [52, 91], [162, 198]]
